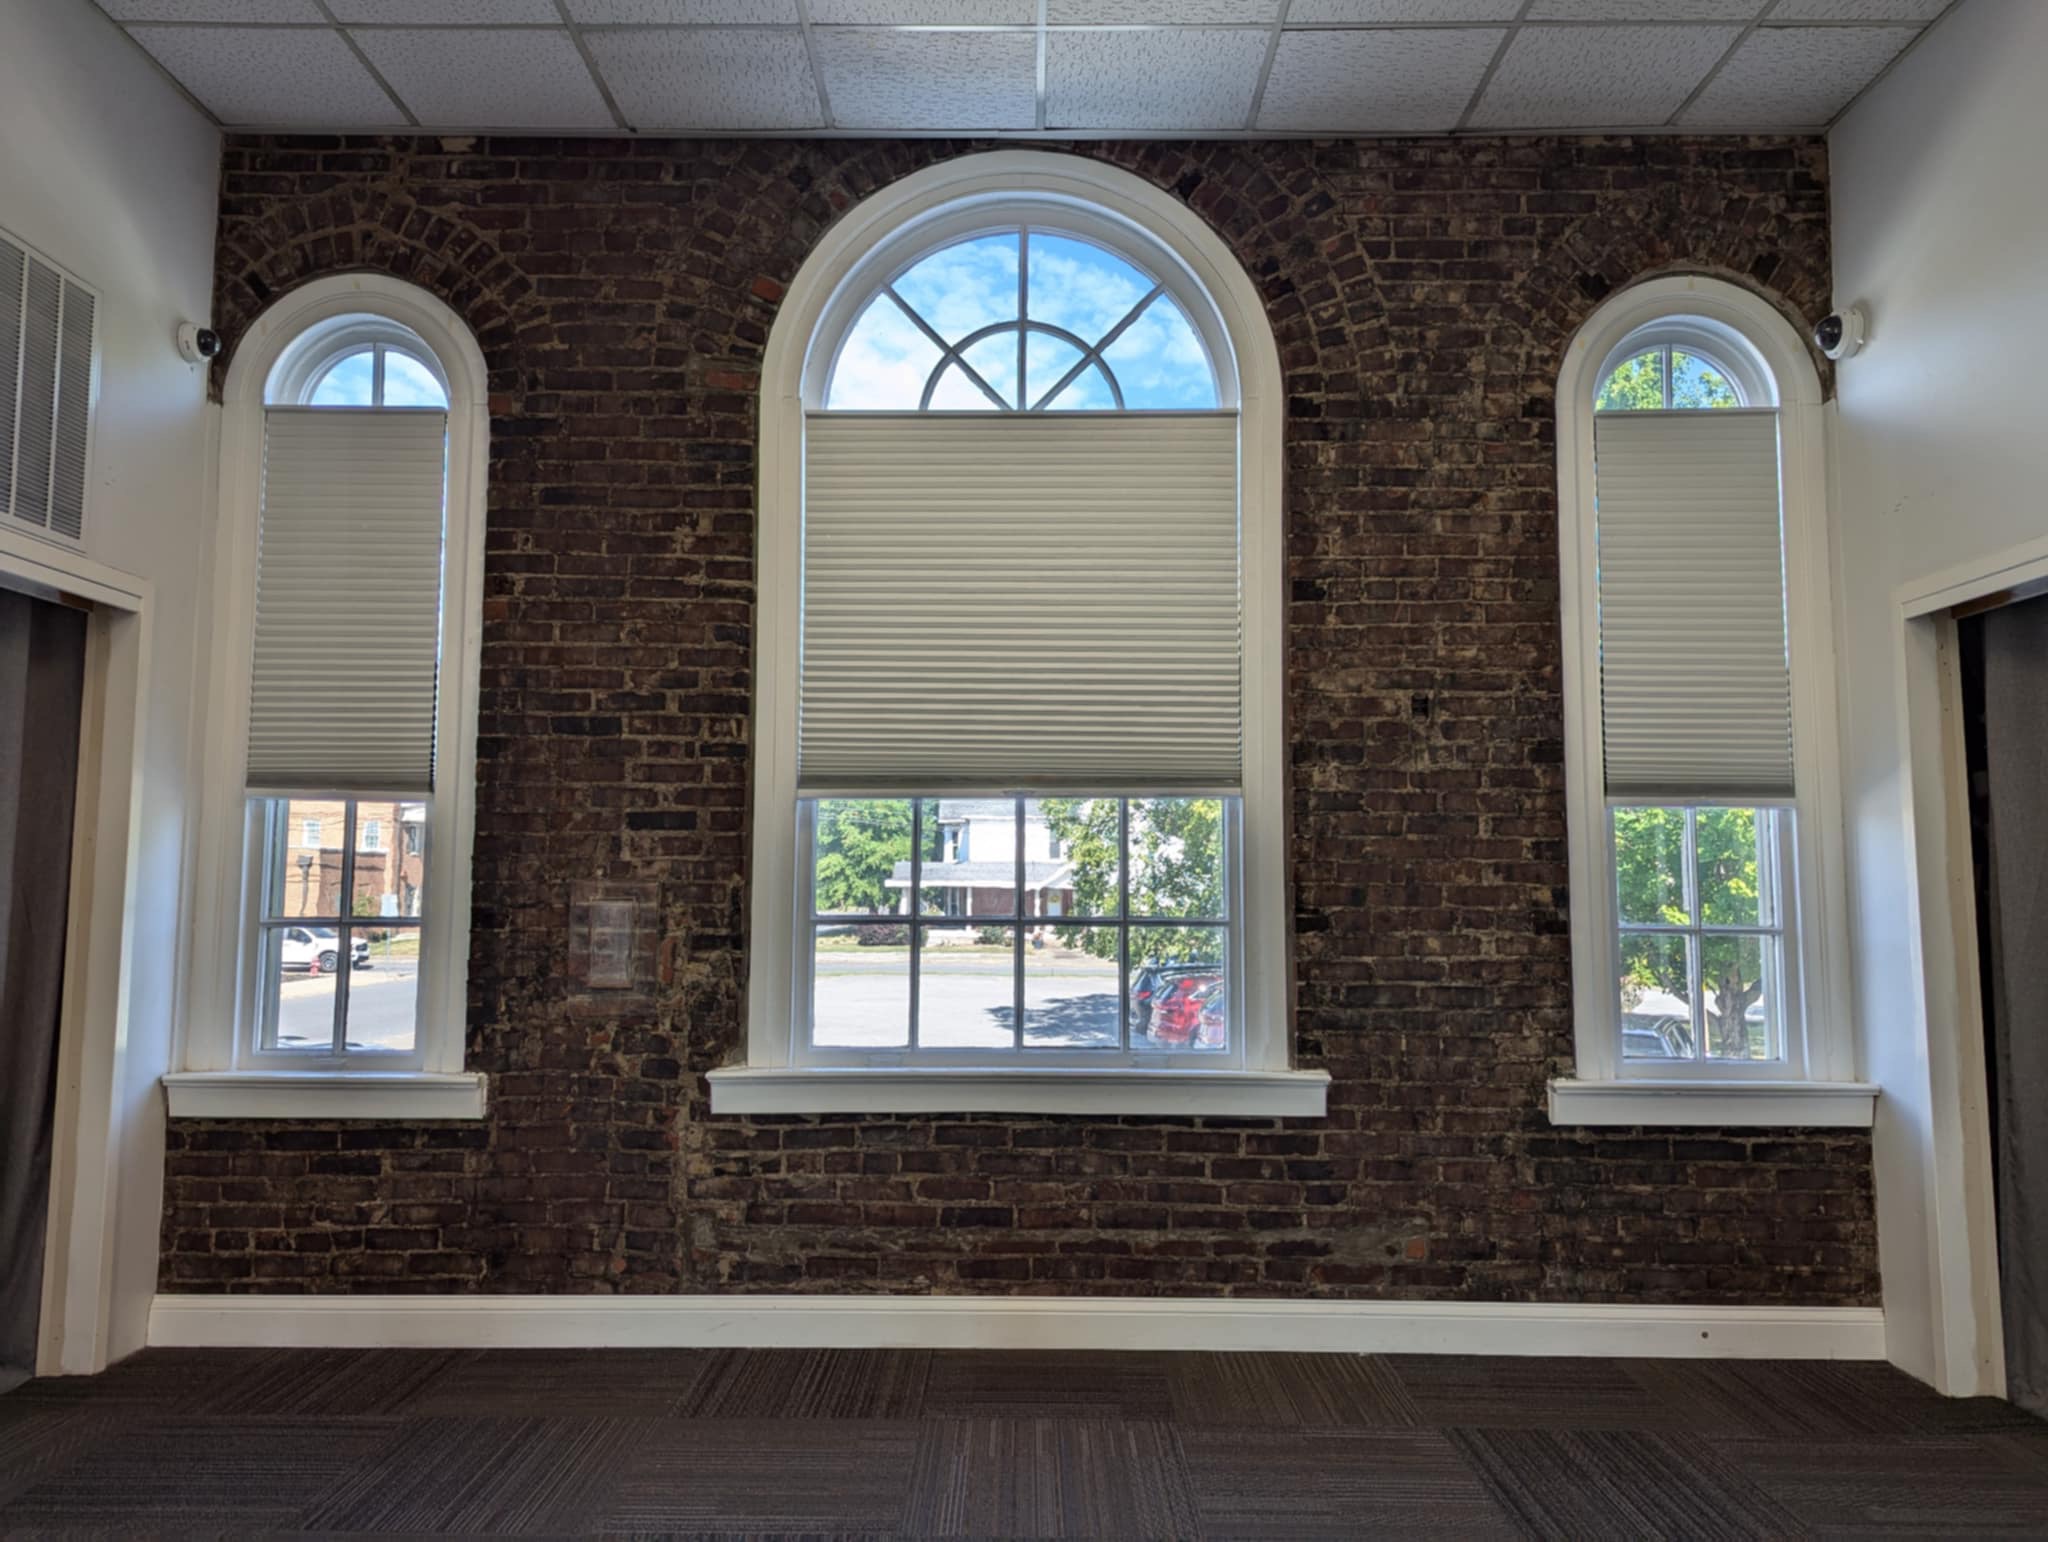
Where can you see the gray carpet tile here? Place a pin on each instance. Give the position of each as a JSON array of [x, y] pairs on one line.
[[37, 1439], [1620, 1484], [494, 1476], [154, 1379], [566, 1383], [992, 1477], [1310, 1483], [191, 1473], [328, 1383], [1074, 1384], [764, 1475], [1527, 1392], [1863, 1487], [1261, 1390], [808, 1384], [1823, 1399]]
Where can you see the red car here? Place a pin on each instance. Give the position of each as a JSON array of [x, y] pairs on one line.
[[1189, 1014]]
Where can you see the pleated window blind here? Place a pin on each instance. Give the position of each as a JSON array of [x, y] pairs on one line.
[[1695, 685], [348, 601], [1021, 601]]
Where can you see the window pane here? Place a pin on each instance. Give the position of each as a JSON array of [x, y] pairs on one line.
[[1636, 385], [1649, 866], [1739, 997], [1087, 392], [884, 362], [1732, 879], [390, 863], [383, 989], [305, 866], [409, 383], [296, 985], [995, 360], [1699, 383], [1179, 990], [349, 383], [965, 287], [967, 987], [860, 987], [1160, 362], [1070, 988], [1656, 997], [970, 857], [1077, 839], [1046, 360], [957, 393], [862, 856], [1177, 857], [1080, 286]]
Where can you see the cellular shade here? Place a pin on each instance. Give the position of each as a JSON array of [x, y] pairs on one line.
[[1695, 687], [1029, 602], [348, 601]]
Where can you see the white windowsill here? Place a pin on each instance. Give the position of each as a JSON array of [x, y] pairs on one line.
[[1673, 1102], [325, 1094], [1053, 1090]]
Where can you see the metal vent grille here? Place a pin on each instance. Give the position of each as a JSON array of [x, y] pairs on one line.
[[47, 383]]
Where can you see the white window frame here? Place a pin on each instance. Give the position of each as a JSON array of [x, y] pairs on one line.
[[1814, 1084], [222, 1074], [870, 243]]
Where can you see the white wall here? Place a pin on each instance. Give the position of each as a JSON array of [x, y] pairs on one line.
[[1940, 229], [108, 170]]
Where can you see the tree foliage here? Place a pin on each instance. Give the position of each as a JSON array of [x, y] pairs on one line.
[[859, 842], [1176, 871]]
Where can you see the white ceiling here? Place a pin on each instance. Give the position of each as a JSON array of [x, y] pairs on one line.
[[1057, 67]]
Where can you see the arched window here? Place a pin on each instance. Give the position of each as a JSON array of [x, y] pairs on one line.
[[1019, 782], [1699, 711], [351, 542]]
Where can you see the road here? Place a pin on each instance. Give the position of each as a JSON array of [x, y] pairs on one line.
[[863, 998], [382, 1001]]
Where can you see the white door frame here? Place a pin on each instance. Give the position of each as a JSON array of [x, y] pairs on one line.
[[1954, 1171], [78, 1258]]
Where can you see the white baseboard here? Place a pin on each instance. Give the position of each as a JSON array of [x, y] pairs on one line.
[[1013, 1322]]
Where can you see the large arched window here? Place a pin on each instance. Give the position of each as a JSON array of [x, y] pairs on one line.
[[1699, 715], [1018, 810], [350, 543]]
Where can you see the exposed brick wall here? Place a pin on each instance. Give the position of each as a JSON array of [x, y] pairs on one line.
[[1422, 294]]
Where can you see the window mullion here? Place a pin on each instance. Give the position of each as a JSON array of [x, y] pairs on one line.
[[1023, 311], [1017, 909], [344, 908], [1695, 942], [1123, 921], [915, 909]]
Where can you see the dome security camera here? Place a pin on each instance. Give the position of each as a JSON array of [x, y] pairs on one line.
[[1840, 336], [197, 344]]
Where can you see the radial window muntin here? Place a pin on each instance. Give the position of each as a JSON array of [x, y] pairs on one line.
[[1715, 345], [1161, 272]]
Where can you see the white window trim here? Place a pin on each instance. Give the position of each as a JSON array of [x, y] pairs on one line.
[[216, 1078], [1816, 1084], [836, 273]]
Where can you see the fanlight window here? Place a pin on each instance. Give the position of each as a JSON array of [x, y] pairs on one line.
[[378, 376], [1022, 319], [1668, 378]]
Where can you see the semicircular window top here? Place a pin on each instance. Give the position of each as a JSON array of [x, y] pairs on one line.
[[1022, 319], [358, 361]]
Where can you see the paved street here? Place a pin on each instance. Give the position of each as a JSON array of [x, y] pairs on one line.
[[381, 1005], [863, 998]]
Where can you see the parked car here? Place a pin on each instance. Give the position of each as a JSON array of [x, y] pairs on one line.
[[1189, 1013], [1151, 982], [311, 948], [1648, 1037]]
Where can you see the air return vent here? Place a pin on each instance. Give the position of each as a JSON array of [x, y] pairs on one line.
[[47, 363]]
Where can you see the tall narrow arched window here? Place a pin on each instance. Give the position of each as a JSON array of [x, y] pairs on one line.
[[341, 808], [1700, 718], [1018, 820]]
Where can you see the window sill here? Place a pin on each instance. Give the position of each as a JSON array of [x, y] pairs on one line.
[[956, 1090], [405, 1095], [1728, 1104]]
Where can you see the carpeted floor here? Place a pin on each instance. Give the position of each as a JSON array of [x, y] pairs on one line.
[[900, 1443]]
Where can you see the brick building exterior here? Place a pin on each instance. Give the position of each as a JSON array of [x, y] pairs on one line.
[[1422, 295]]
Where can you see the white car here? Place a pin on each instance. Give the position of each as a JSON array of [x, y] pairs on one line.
[[307, 947]]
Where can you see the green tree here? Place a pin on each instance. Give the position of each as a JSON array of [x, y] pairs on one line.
[[1176, 870], [859, 843], [1649, 851]]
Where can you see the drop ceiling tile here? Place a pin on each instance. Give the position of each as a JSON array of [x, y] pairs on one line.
[[1365, 13], [445, 13], [1182, 13], [678, 13], [213, 10], [1162, 78], [1858, 10], [1645, 10], [924, 13], [745, 78], [1785, 77], [1598, 77], [937, 80], [273, 77], [458, 77], [1375, 82]]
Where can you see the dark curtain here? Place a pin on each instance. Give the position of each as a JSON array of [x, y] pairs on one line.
[[2015, 676], [42, 678]]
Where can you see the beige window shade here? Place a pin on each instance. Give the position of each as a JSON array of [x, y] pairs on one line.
[[348, 601], [1037, 602], [1695, 685]]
